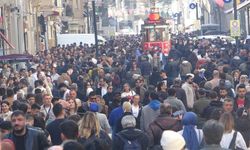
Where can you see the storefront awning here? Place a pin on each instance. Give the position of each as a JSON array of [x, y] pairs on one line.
[[6, 40], [241, 5]]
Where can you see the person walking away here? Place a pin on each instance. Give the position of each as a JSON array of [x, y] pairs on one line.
[[130, 137], [191, 134], [163, 122], [150, 111], [231, 139]]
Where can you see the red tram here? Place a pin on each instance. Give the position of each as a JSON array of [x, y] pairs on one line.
[[155, 32]]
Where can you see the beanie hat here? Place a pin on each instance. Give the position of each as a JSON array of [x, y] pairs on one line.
[[94, 107], [172, 140], [6, 125]]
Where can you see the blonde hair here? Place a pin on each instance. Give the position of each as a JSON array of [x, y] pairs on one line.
[[127, 107], [228, 121], [89, 125]]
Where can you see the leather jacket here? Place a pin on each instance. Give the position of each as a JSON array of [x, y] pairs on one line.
[[34, 139]]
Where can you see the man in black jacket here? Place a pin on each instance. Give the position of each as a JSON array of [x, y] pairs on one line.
[[26, 138], [130, 136], [213, 105]]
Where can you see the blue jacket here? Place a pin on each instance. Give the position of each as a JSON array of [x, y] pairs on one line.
[[114, 116]]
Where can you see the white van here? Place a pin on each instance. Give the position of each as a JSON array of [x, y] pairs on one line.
[[64, 39]]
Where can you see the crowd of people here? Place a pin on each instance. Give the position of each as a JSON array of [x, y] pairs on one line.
[[125, 98]]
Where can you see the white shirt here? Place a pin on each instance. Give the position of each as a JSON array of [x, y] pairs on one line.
[[103, 91], [135, 110], [199, 134], [66, 94], [33, 79], [227, 138], [128, 94]]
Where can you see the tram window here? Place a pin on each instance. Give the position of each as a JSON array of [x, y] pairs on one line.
[[152, 35], [158, 35], [165, 35]]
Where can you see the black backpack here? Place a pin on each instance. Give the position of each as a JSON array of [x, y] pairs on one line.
[[94, 143], [232, 145], [130, 145]]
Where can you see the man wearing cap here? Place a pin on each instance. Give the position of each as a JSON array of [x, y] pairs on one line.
[[188, 86], [94, 107]]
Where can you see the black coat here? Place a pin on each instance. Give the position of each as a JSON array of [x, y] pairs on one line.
[[211, 108], [130, 134], [155, 78], [146, 68], [181, 95], [103, 142], [243, 126], [34, 139], [108, 98], [119, 122]]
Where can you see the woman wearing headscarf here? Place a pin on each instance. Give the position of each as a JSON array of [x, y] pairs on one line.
[[191, 134]]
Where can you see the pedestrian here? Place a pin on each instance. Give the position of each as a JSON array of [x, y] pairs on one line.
[[53, 127], [231, 139], [163, 122], [175, 103], [171, 140], [69, 130], [90, 134], [213, 132], [192, 135], [23, 137], [188, 86], [150, 111], [130, 137]]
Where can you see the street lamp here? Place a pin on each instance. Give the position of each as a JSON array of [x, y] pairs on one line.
[[95, 28], [235, 18]]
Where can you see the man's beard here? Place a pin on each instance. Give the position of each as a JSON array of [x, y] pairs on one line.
[[19, 131]]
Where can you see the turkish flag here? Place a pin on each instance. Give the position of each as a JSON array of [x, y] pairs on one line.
[[220, 3]]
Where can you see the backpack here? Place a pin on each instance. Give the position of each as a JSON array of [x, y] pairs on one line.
[[95, 143], [130, 145], [232, 145]]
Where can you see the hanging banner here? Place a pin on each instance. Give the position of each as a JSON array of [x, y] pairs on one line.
[[235, 28]]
